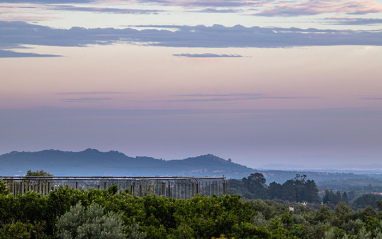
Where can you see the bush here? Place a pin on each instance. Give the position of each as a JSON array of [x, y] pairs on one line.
[[91, 223], [3, 187], [16, 230], [23, 230]]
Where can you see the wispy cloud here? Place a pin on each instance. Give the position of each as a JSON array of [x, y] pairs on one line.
[[105, 10], [92, 93], [201, 3], [231, 97], [291, 9], [13, 54], [207, 55], [214, 10], [371, 98], [25, 12], [355, 21], [180, 3], [219, 95], [85, 99], [16, 34], [47, 1]]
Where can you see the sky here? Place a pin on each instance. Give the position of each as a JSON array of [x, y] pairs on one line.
[[293, 82]]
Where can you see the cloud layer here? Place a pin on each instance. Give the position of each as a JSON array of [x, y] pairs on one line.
[[13, 54], [105, 10], [231, 97], [206, 55], [262, 8], [17, 34], [355, 21], [291, 9]]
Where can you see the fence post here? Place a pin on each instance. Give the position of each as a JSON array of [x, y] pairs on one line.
[[163, 189], [140, 189], [169, 189]]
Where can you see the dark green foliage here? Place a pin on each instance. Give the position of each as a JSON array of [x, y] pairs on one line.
[[331, 197], [88, 213], [23, 230], [16, 230], [254, 182], [134, 232], [367, 200], [345, 198], [297, 189], [113, 189], [343, 212], [38, 173], [3, 187]]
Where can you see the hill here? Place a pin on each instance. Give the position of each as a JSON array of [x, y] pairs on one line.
[[92, 162]]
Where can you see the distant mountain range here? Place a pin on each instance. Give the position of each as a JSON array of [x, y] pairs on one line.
[[92, 162], [341, 168]]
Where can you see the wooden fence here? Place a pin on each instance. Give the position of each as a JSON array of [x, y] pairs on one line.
[[174, 187]]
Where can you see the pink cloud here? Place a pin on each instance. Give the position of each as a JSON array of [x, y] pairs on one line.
[[25, 12], [320, 7]]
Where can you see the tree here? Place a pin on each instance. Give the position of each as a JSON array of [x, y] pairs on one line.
[[91, 223], [40, 173], [254, 182], [3, 187], [343, 212], [345, 198], [311, 192], [367, 199], [274, 190], [289, 191], [331, 198], [37, 173]]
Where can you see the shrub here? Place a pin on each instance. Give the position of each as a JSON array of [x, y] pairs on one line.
[[3, 187], [91, 223]]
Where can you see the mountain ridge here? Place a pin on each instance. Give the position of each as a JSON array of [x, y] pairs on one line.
[[92, 162], [114, 163]]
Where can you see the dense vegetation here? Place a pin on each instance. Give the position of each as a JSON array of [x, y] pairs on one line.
[[68, 213], [297, 189]]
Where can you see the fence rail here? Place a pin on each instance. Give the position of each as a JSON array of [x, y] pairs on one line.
[[173, 187]]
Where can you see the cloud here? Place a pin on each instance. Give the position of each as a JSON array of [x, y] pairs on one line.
[[321, 7], [92, 93], [25, 12], [18, 34], [12, 54], [231, 97], [213, 10], [355, 21], [47, 1], [105, 10], [372, 98], [85, 99], [219, 95], [180, 3], [200, 3], [88, 96], [207, 55]]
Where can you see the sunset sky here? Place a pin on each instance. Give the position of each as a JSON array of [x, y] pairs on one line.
[[260, 82]]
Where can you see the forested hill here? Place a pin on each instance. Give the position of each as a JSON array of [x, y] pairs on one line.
[[92, 162]]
